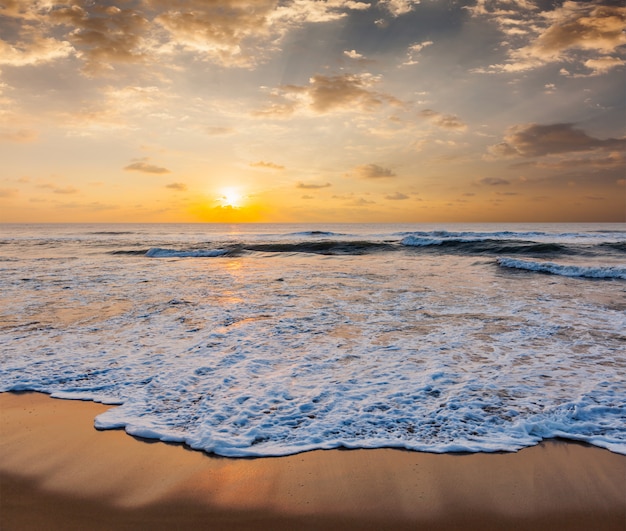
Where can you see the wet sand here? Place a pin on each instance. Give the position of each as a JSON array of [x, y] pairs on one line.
[[58, 473]]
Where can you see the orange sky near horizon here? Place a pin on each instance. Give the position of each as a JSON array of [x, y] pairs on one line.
[[312, 111]]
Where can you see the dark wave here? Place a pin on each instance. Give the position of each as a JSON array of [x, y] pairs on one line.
[[489, 246], [615, 246], [316, 233], [111, 233], [327, 247], [426, 243], [130, 252]]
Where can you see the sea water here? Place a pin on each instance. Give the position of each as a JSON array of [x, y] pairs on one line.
[[259, 340]]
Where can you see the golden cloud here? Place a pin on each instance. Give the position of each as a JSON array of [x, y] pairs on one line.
[[145, 167], [399, 7], [312, 186], [445, 121], [229, 32], [325, 94], [178, 187], [568, 33], [33, 51], [266, 165], [373, 171], [398, 196], [20, 136], [8, 192], [535, 140]]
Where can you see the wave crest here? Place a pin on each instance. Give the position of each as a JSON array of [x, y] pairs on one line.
[[610, 272]]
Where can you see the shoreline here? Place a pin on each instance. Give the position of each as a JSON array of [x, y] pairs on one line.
[[58, 472]]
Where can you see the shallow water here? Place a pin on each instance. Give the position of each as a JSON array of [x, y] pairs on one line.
[[274, 339]]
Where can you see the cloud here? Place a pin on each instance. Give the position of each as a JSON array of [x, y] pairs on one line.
[[569, 33], [67, 190], [8, 192], [360, 202], [325, 94], [373, 171], [37, 50], [267, 165], [145, 167], [220, 32], [240, 33], [312, 186], [399, 7], [593, 159], [219, 131], [445, 121], [398, 196], [352, 54], [346, 91], [581, 25], [232, 33], [20, 136], [494, 181], [535, 140], [178, 187], [63, 190], [413, 52], [103, 34], [602, 65]]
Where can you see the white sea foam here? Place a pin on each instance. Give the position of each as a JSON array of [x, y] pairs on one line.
[[565, 269], [271, 354]]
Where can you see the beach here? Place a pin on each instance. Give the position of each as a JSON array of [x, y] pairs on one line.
[[58, 472]]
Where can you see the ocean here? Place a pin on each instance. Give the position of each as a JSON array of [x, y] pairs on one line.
[[268, 340]]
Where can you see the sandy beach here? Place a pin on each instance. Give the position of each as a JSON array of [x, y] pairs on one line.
[[58, 472]]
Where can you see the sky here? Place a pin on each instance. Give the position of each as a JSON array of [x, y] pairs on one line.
[[312, 111]]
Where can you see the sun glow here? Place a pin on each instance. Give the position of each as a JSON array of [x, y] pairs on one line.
[[230, 197]]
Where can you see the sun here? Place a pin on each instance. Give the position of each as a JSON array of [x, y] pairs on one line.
[[230, 197]]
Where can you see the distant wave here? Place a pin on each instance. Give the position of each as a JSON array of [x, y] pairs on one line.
[[504, 243], [444, 235], [130, 252], [329, 247], [609, 272], [111, 233], [615, 246], [486, 245], [315, 233], [157, 252], [478, 236]]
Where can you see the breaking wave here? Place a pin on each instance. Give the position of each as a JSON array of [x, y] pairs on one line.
[[551, 268]]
